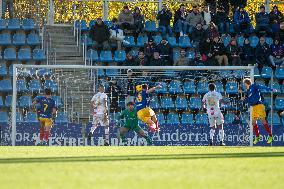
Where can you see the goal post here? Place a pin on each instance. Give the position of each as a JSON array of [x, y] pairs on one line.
[[91, 74]]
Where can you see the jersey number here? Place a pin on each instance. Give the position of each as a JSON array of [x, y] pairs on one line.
[[211, 101], [139, 98], [45, 107]]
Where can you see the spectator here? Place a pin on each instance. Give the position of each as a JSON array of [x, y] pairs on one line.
[[126, 19], [166, 51], [128, 85], [141, 60], [262, 21], [114, 92], [116, 34], [138, 21], [180, 23], [198, 35], [241, 21], [247, 53], [280, 33], [211, 5], [225, 5], [205, 51], [262, 53], [222, 20], [182, 60], [277, 53], [100, 34], [207, 17], [194, 18], [156, 60], [218, 51], [164, 16], [9, 4], [130, 60], [234, 52], [237, 3], [275, 18], [213, 31], [149, 48]]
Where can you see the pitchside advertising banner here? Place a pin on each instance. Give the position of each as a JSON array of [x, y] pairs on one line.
[[72, 134]]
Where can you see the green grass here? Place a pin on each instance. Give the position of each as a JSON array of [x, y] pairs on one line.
[[141, 167]]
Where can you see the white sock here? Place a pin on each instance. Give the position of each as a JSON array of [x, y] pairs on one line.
[[212, 132], [221, 134], [107, 135], [93, 128]]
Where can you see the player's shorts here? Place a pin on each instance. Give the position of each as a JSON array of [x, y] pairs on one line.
[[135, 128], [258, 111], [45, 122], [100, 119], [215, 120], [145, 113]]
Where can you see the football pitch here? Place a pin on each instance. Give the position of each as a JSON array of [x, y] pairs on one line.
[[141, 167]]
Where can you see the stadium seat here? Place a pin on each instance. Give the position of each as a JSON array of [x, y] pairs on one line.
[[4, 117], [28, 24], [108, 23], [3, 24], [187, 119], [157, 39], [163, 89], [106, 56], [282, 88], [19, 117], [256, 73], [172, 41], [33, 39], [190, 55], [176, 55], [240, 73], [14, 24], [25, 102], [22, 86], [130, 40], [276, 86], [83, 25], [253, 41], [61, 118], [267, 102], [279, 73], [112, 72], [170, 74], [226, 40], [5, 39], [175, 87], [8, 101], [43, 72], [10, 54], [86, 40], [31, 117], [35, 86], [266, 72], [92, 55], [219, 87], [189, 87], [5, 85], [279, 103], [276, 119], [173, 119], [240, 41], [141, 40], [24, 55], [154, 103], [184, 42], [19, 39], [232, 88], [194, 103], [39, 55], [160, 118], [58, 101], [202, 87], [167, 103], [119, 56], [229, 118], [150, 26], [269, 40], [244, 117], [181, 103], [92, 23], [260, 82], [201, 119], [50, 84], [2, 105], [3, 70]]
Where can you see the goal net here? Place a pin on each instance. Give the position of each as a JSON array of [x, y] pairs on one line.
[[177, 104]]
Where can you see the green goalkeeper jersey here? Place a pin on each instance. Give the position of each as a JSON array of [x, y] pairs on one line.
[[131, 120]]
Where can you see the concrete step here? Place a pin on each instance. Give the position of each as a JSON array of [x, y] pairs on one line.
[[68, 54], [66, 48], [67, 42], [62, 37]]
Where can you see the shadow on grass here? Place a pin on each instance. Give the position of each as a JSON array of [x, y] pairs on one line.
[[140, 157]]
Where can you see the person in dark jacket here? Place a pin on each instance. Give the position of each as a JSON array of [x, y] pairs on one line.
[[222, 20], [241, 21], [156, 60], [141, 60], [166, 52], [213, 31], [138, 21], [262, 53], [130, 60], [149, 48], [275, 18], [247, 53], [233, 52], [100, 34], [164, 16], [114, 92], [180, 23], [198, 35], [262, 21], [280, 33], [277, 53], [218, 51]]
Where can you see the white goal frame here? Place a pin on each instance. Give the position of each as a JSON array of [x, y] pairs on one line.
[[178, 68]]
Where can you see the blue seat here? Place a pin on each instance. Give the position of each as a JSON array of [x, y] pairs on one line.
[[160, 118], [229, 118], [240, 73], [8, 101], [279, 103], [28, 24], [276, 119], [163, 89], [5, 39], [245, 118], [4, 118], [112, 72], [106, 56], [3, 24], [92, 23], [22, 86], [176, 55], [86, 40], [276, 86], [141, 40], [44, 72], [202, 87], [194, 103], [167, 103], [181, 103], [157, 39], [154, 102], [119, 56], [189, 87], [201, 119], [14, 24], [226, 40], [25, 102], [50, 84], [187, 119], [31, 117], [170, 74], [190, 55], [92, 55], [266, 72], [253, 41], [10, 54], [269, 40], [24, 55], [19, 117], [232, 88], [173, 119], [219, 87], [108, 23], [184, 42], [35, 86], [282, 88], [39, 55], [267, 102], [33, 39], [3, 70], [130, 40], [61, 118], [175, 87], [256, 73], [2, 105], [19, 39], [240, 41], [172, 41], [150, 26], [83, 25], [5, 85], [58, 101], [279, 73]]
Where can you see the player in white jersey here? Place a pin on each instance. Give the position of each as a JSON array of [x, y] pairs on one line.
[[100, 114], [211, 101]]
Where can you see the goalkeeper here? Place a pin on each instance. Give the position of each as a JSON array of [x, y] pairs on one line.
[[131, 123]]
